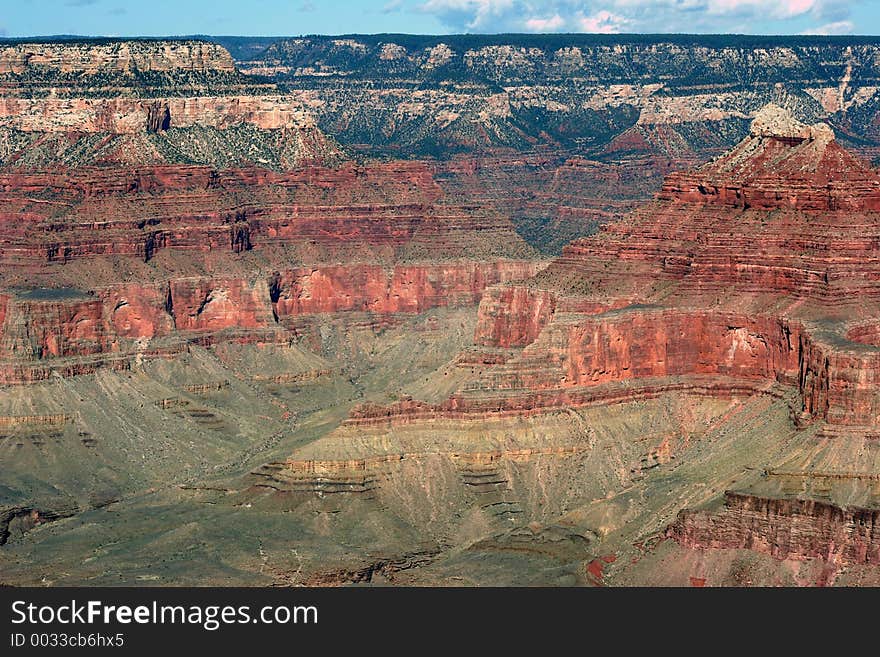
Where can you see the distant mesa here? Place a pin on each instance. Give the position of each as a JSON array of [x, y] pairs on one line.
[[108, 57]]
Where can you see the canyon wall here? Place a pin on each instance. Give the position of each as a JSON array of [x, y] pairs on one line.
[[652, 343], [68, 331], [785, 529], [351, 212], [114, 57], [134, 115]]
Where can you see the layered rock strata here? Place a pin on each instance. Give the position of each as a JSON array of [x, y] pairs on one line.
[[766, 257], [785, 529], [752, 275], [786, 227]]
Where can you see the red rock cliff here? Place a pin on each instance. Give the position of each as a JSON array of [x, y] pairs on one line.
[[785, 529]]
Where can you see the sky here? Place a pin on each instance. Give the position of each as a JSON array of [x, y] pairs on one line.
[[296, 17]]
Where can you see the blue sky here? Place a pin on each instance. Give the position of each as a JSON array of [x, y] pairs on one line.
[[294, 17]]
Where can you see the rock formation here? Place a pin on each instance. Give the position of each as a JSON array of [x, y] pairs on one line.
[[785, 528], [728, 272], [113, 57], [750, 276]]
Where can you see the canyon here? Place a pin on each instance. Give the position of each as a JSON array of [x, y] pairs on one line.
[[520, 314]]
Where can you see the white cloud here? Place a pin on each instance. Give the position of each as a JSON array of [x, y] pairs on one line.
[[720, 16], [392, 6], [775, 9], [838, 27], [552, 24], [481, 12], [602, 22]]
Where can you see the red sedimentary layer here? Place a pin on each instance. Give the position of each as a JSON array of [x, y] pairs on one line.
[[35, 329], [785, 529], [839, 385], [137, 243], [623, 345], [401, 289], [485, 404], [60, 216], [42, 335], [513, 316]]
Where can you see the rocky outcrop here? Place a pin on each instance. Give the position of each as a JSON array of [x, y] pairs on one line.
[[838, 381], [513, 316], [136, 115], [52, 324], [785, 529], [208, 305], [476, 403], [114, 57], [782, 164]]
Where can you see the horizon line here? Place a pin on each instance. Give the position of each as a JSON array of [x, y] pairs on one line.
[[602, 35]]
